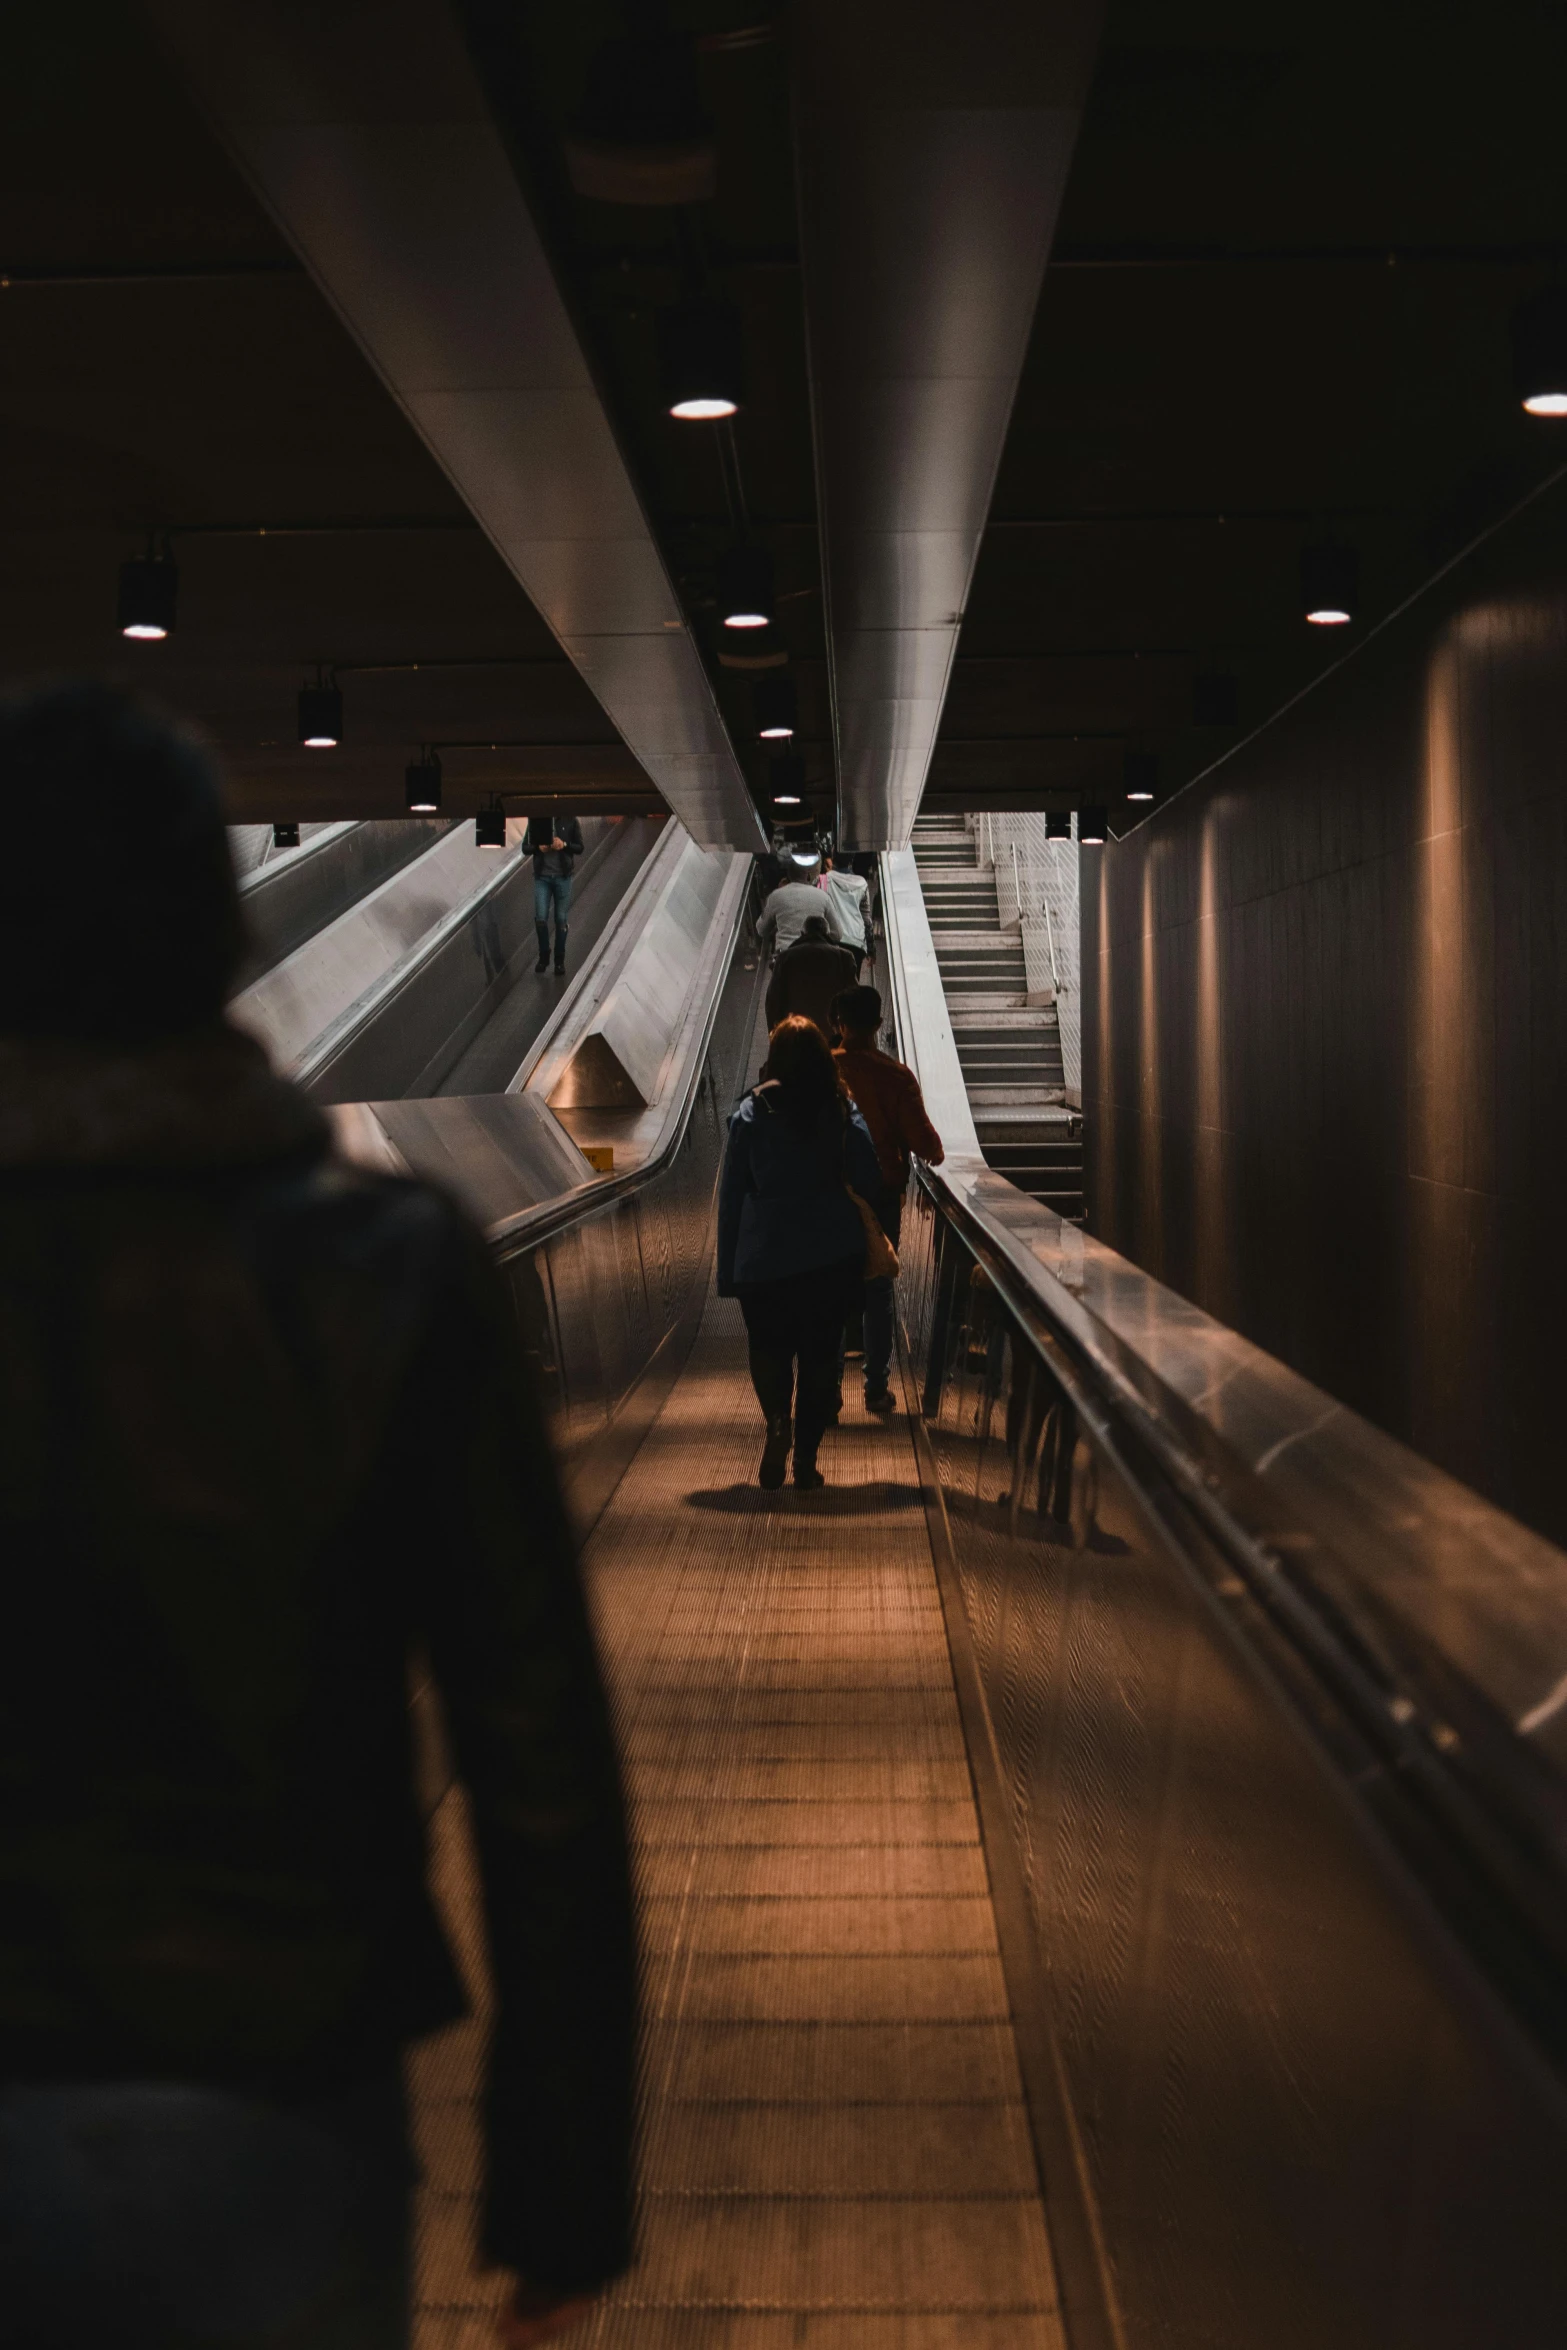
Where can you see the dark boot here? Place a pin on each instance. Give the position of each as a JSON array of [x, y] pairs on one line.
[[543, 930], [560, 948], [775, 1453]]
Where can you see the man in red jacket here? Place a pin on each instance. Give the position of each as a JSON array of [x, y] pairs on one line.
[[887, 1095]]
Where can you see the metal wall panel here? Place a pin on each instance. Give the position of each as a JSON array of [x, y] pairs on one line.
[[1325, 1027], [1285, 2103]]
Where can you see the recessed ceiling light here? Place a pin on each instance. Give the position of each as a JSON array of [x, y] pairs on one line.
[[699, 361], [1091, 827], [1140, 773], [773, 701], [422, 784], [1539, 327]]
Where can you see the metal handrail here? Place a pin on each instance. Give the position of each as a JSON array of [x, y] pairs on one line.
[[1428, 1749], [532, 1225]]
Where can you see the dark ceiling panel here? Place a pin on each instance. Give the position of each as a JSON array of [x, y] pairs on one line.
[[365, 132]]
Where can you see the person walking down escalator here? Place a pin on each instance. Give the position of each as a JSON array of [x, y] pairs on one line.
[[809, 976], [792, 1240], [554, 842]]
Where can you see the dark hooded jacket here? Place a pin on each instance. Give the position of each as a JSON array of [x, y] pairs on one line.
[[264, 1432]]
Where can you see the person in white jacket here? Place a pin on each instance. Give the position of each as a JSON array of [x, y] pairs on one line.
[[846, 893], [786, 913]]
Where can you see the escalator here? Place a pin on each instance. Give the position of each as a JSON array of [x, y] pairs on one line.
[[1103, 1859]]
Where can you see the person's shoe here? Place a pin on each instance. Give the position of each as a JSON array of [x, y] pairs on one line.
[[775, 1455], [560, 966], [886, 1403], [808, 1477]]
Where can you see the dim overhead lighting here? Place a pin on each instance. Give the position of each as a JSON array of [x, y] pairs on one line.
[[1140, 775], [320, 717], [773, 701], [489, 828], [423, 784], [1540, 352], [1058, 827], [149, 587], [1091, 828], [1329, 584], [699, 361], [285, 836], [745, 587]]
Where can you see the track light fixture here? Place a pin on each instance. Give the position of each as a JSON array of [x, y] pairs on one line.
[[745, 587], [149, 588], [1058, 827], [489, 827], [774, 703], [1329, 584], [422, 781], [1215, 699], [1091, 828], [1140, 775], [699, 360], [320, 715], [285, 836], [1540, 351]]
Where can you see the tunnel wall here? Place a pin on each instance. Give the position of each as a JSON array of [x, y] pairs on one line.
[[1325, 1026]]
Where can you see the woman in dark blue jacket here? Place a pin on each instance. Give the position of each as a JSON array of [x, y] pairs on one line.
[[791, 1243]]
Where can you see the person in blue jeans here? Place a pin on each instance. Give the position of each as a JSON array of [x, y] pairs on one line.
[[554, 842]]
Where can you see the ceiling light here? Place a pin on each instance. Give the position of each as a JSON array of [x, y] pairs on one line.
[[805, 856], [786, 799], [699, 361], [285, 836], [1215, 699], [1140, 775], [149, 585], [773, 701], [423, 783], [1329, 584], [1091, 828], [1058, 827], [745, 587], [489, 828], [320, 717], [1540, 352]]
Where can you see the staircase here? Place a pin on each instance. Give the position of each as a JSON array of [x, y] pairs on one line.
[[1010, 1050]]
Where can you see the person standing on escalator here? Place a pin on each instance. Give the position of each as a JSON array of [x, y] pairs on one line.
[[269, 1437], [554, 842], [792, 1241]]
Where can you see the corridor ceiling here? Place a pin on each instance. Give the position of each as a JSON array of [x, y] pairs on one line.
[[1275, 310]]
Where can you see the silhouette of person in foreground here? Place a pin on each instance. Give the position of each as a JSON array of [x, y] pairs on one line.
[[266, 1432]]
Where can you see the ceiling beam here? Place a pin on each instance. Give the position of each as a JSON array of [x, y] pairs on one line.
[[933, 143], [361, 126]]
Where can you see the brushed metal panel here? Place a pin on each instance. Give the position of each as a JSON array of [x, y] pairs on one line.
[[364, 131]]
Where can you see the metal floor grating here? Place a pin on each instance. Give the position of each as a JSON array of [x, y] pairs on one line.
[[836, 2153]]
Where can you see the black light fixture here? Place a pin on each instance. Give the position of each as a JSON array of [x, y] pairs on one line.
[[1140, 775], [745, 587], [285, 836], [788, 780], [1540, 351], [422, 781], [1329, 583], [776, 709], [1058, 827], [489, 827], [1091, 828], [1215, 698], [149, 589], [320, 715], [699, 360]]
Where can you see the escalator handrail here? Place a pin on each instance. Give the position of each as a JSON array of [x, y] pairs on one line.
[[532, 1225]]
